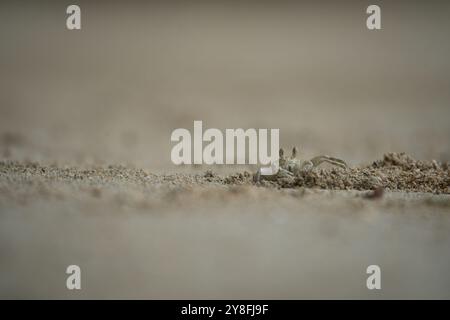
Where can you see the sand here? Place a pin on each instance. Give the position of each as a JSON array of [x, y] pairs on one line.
[[86, 176], [136, 234]]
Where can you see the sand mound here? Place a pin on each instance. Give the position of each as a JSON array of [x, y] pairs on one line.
[[395, 172]]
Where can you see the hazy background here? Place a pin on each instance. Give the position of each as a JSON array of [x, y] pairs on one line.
[[113, 92]]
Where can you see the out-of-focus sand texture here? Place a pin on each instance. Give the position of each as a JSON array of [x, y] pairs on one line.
[[113, 92], [139, 235]]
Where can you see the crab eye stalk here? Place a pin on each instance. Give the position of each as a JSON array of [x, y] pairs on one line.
[[294, 152]]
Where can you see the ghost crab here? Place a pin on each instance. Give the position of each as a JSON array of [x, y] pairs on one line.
[[290, 167]]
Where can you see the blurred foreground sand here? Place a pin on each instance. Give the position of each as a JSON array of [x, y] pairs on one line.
[[140, 235], [112, 94]]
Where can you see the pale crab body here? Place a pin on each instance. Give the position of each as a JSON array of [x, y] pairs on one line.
[[289, 167]]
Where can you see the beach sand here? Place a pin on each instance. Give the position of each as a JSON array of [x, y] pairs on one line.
[[86, 176]]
